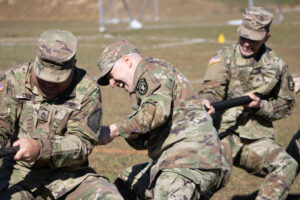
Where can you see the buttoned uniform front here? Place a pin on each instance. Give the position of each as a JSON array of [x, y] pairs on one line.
[[170, 122], [67, 128], [250, 132]]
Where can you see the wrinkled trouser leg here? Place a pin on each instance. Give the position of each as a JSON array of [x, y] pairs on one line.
[[133, 184], [170, 185], [264, 157], [267, 158], [95, 188], [173, 186], [294, 148]]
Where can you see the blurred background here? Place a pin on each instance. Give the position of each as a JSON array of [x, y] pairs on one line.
[[187, 33]]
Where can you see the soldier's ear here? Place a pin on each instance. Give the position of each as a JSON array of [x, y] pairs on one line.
[[127, 59]]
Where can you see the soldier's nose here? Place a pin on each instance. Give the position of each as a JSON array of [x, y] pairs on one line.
[[112, 82]]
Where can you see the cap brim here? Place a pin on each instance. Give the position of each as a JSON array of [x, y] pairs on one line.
[[50, 75], [102, 80], [251, 34]]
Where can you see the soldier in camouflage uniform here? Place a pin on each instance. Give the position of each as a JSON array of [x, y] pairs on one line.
[[251, 68], [52, 110], [294, 146], [169, 121]]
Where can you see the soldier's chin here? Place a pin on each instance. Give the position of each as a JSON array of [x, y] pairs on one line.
[[246, 53]]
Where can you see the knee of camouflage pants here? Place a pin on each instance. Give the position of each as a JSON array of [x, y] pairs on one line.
[[133, 182], [266, 157], [170, 185], [294, 148], [93, 188]]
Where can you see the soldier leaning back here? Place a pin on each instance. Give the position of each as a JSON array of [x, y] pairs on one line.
[[168, 121], [249, 67], [52, 110]]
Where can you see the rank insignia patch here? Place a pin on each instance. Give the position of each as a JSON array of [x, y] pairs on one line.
[[1, 86], [214, 60], [291, 83], [142, 86]]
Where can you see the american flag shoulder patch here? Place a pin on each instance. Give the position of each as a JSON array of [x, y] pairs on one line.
[[215, 59], [1, 86]]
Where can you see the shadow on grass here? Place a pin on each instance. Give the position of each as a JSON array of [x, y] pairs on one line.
[[253, 195]]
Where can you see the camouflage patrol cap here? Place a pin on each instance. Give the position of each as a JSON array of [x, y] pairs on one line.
[[256, 23], [112, 54], [56, 55]]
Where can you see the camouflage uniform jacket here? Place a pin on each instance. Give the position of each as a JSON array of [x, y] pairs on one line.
[[169, 121], [229, 75], [67, 128]]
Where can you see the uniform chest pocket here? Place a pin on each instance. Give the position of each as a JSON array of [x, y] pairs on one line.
[[60, 118], [26, 120]]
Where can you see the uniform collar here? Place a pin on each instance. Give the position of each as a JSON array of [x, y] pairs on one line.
[[140, 70], [29, 85]]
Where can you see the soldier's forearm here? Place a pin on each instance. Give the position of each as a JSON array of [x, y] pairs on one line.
[[275, 109], [65, 150]]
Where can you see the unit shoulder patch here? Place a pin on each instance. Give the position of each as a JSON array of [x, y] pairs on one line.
[[215, 59], [291, 83], [142, 86]]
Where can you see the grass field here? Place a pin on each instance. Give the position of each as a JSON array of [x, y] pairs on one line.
[[188, 43]]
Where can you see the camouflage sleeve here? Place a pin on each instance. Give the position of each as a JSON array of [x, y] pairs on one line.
[[215, 80], [83, 131], [9, 109], [280, 105], [153, 112]]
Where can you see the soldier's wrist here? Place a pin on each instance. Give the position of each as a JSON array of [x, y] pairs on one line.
[[261, 109], [45, 148], [122, 131], [114, 131]]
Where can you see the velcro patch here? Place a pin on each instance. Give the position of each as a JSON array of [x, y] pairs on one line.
[[215, 59], [1, 86], [94, 120]]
